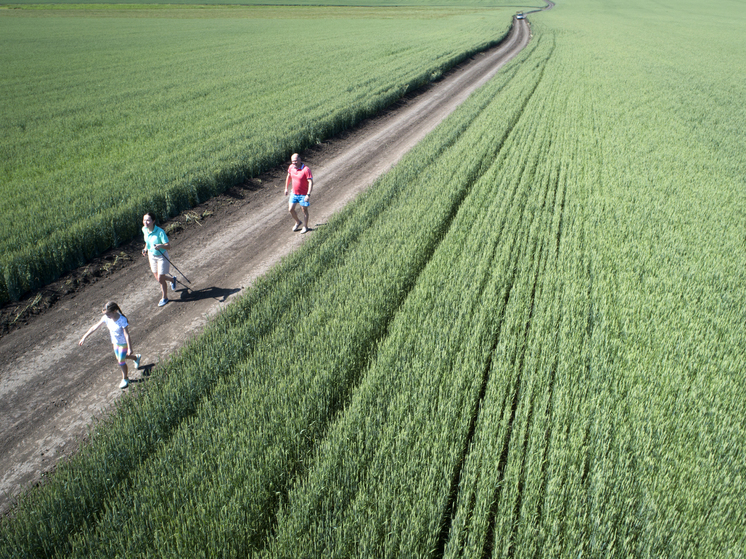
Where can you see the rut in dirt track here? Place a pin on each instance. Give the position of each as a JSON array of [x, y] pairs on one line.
[[51, 389]]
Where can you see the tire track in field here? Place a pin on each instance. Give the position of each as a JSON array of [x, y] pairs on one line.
[[539, 270], [511, 399], [562, 190], [450, 508]]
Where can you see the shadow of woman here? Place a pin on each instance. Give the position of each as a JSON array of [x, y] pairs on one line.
[[220, 294]]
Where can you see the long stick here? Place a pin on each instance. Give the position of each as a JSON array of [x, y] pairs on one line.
[[172, 264]]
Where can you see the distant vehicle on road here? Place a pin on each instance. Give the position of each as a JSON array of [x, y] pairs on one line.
[[520, 15]]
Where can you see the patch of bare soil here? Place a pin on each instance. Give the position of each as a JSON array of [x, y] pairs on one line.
[[51, 390]]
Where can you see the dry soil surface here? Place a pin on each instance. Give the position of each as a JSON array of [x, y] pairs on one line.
[[52, 390]]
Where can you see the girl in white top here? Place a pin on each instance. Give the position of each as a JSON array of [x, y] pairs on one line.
[[117, 324]]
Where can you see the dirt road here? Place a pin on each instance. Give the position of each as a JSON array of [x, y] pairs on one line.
[[51, 389]]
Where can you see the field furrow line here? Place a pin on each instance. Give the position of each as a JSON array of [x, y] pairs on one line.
[[540, 356], [519, 170], [574, 333], [521, 306]]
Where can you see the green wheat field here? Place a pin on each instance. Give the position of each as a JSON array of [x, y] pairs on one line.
[[528, 339], [109, 111]]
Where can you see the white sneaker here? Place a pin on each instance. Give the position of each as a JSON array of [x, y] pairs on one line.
[[124, 384], [304, 230], [297, 226], [137, 360], [162, 302]]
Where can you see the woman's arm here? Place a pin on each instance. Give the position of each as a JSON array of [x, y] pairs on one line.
[[164, 244]]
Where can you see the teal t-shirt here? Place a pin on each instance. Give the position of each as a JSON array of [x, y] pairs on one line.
[[156, 237]]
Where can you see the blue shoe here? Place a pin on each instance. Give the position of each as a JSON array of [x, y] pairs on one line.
[[124, 384], [173, 284], [137, 361], [162, 302]]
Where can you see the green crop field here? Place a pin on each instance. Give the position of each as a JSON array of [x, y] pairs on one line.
[[526, 340], [374, 4], [108, 113]]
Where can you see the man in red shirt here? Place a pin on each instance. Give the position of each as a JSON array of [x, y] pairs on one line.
[[302, 180]]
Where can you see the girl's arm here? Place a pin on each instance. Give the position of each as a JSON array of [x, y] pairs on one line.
[[127, 339], [90, 331]]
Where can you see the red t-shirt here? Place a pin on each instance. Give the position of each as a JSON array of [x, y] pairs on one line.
[[300, 178]]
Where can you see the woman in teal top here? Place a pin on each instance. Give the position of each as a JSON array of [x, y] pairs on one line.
[[156, 245]]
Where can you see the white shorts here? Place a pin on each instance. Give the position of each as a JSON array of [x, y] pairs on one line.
[[158, 264]]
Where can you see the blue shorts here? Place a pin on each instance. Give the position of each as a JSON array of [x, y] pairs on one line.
[[299, 199]]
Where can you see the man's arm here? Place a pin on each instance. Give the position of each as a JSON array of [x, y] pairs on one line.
[[287, 182]]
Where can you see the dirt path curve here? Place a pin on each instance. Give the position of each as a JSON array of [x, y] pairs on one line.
[[51, 389]]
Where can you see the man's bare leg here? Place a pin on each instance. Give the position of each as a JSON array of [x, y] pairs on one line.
[[295, 217]]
